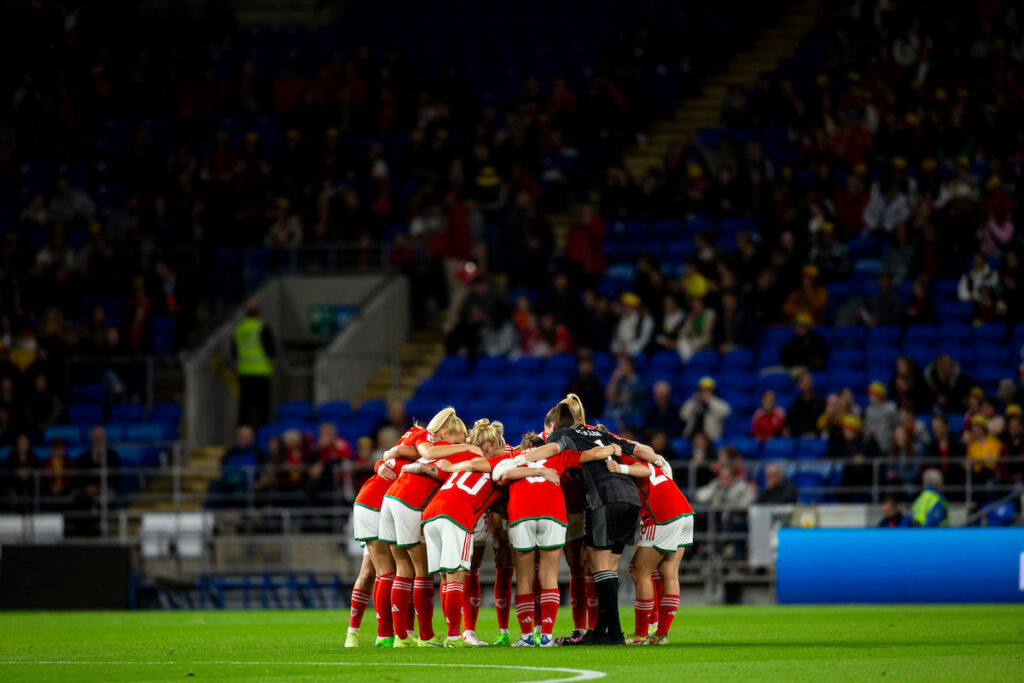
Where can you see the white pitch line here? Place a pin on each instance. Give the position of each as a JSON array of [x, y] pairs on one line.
[[578, 674]]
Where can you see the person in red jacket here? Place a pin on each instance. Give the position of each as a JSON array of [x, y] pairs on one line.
[[769, 420], [584, 250]]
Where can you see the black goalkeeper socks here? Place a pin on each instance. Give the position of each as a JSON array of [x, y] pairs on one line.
[[606, 584]]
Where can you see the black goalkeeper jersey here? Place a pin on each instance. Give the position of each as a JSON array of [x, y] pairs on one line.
[[598, 486]]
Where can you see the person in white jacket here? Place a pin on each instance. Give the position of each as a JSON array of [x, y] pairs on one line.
[[704, 412], [976, 279]]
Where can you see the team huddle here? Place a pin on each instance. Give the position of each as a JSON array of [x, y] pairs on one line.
[[442, 491]]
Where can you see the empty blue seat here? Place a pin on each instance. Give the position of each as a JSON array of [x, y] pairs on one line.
[[301, 411], [561, 364], [852, 357], [376, 409], [776, 381], [665, 361], [86, 413], [779, 448], [72, 434], [992, 333], [811, 449], [453, 365], [167, 411], [90, 391], [991, 354], [682, 447], [164, 331], [491, 366], [919, 334], [921, 353], [526, 366], [749, 448], [847, 378], [705, 360], [148, 433], [954, 332], [957, 311], [884, 335], [737, 359], [882, 355], [115, 433], [810, 487]]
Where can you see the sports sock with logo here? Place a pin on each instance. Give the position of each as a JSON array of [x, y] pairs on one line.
[[591, 593], [549, 600], [503, 595], [659, 590], [453, 608], [471, 601], [524, 612], [382, 605], [578, 601], [642, 609], [423, 599], [401, 592], [444, 598], [669, 605], [360, 599]]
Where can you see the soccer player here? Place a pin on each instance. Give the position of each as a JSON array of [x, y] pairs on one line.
[[610, 518], [451, 515], [666, 532], [360, 598], [400, 517], [537, 524], [366, 529]]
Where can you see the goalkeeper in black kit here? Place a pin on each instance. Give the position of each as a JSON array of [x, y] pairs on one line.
[[610, 518]]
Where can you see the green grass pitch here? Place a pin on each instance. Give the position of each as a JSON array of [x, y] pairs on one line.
[[979, 643]]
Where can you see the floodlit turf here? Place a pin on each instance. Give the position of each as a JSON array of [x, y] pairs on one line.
[[982, 643]]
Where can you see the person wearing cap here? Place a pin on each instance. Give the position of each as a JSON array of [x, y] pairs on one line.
[[983, 450], [854, 450], [880, 416], [810, 297], [975, 397], [806, 348], [931, 508], [698, 329], [635, 328], [704, 412], [830, 256]]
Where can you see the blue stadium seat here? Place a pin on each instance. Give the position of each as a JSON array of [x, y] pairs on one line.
[[453, 365], [86, 413], [167, 411], [958, 333], [884, 335], [491, 366], [706, 361], [776, 381], [164, 330], [295, 410], [811, 449], [375, 410], [779, 448], [810, 487], [561, 364], [992, 333], [526, 366], [749, 448], [115, 433], [920, 334], [957, 311], [90, 391], [851, 357], [922, 354], [72, 434], [882, 355], [682, 448], [737, 359], [849, 336], [843, 378], [147, 433], [1003, 515], [985, 354]]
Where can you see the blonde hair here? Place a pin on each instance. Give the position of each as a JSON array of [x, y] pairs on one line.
[[446, 419], [531, 440], [485, 431], [576, 406]]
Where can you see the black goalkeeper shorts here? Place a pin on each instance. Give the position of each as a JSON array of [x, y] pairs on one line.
[[610, 527]]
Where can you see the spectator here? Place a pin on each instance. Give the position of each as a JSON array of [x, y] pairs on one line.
[[240, 465], [704, 412], [921, 308], [854, 450], [330, 462], [71, 206], [930, 508], [101, 468], [254, 351], [810, 298], [806, 348], [58, 479], [555, 336], [917, 433], [396, 418], [20, 469], [498, 335], [701, 447], [663, 413], [1014, 443], [625, 394], [947, 384], [635, 328], [672, 318], [803, 412], [584, 251], [884, 306], [893, 516], [949, 450], [778, 490], [902, 467], [898, 254], [727, 490], [976, 279], [907, 387], [35, 216], [886, 209], [837, 406], [43, 408], [830, 256], [697, 330], [880, 416], [586, 385], [983, 450], [293, 473], [769, 420], [734, 328]]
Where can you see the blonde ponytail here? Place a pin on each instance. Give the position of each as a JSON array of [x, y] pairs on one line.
[[447, 419], [485, 431], [576, 406]]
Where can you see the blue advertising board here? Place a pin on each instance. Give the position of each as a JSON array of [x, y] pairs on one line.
[[900, 565]]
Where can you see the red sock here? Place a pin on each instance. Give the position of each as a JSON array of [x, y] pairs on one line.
[[401, 591], [471, 605], [423, 599], [360, 599], [642, 609], [578, 601], [549, 600], [410, 614], [382, 605], [524, 612], [444, 597], [591, 592], [669, 605], [503, 595], [659, 590], [536, 591], [453, 608]]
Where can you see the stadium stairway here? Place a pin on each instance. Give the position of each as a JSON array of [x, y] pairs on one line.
[[417, 361], [775, 44]]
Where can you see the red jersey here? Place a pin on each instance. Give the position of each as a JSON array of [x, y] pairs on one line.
[[465, 495], [663, 501], [371, 495], [414, 490], [538, 498]]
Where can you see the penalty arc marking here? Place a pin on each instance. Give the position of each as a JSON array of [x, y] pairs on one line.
[[577, 674]]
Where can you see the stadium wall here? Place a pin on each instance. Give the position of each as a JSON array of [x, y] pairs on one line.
[[900, 565]]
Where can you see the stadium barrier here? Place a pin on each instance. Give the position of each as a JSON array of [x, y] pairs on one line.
[[900, 565]]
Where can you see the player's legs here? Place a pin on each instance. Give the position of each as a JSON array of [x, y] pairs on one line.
[[645, 562], [549, 595], [503, 569], [669, 570], [471, 607], [362, 589], [384, 567], [524, 561], [401, 593], [577, 583]]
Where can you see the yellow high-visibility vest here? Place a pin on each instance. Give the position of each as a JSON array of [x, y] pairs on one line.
[[252, 357]]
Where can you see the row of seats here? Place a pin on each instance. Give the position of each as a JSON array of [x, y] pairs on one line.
[[132, 453]]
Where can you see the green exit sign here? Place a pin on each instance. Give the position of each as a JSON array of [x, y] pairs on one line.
[[326, 320]]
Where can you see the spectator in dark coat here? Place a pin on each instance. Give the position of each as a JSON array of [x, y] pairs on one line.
[[802, 415], [947, 383], [586, 385], [663, 413], [884, 306], [92, 462], [734, 328], [777, 489], [806, 348]]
